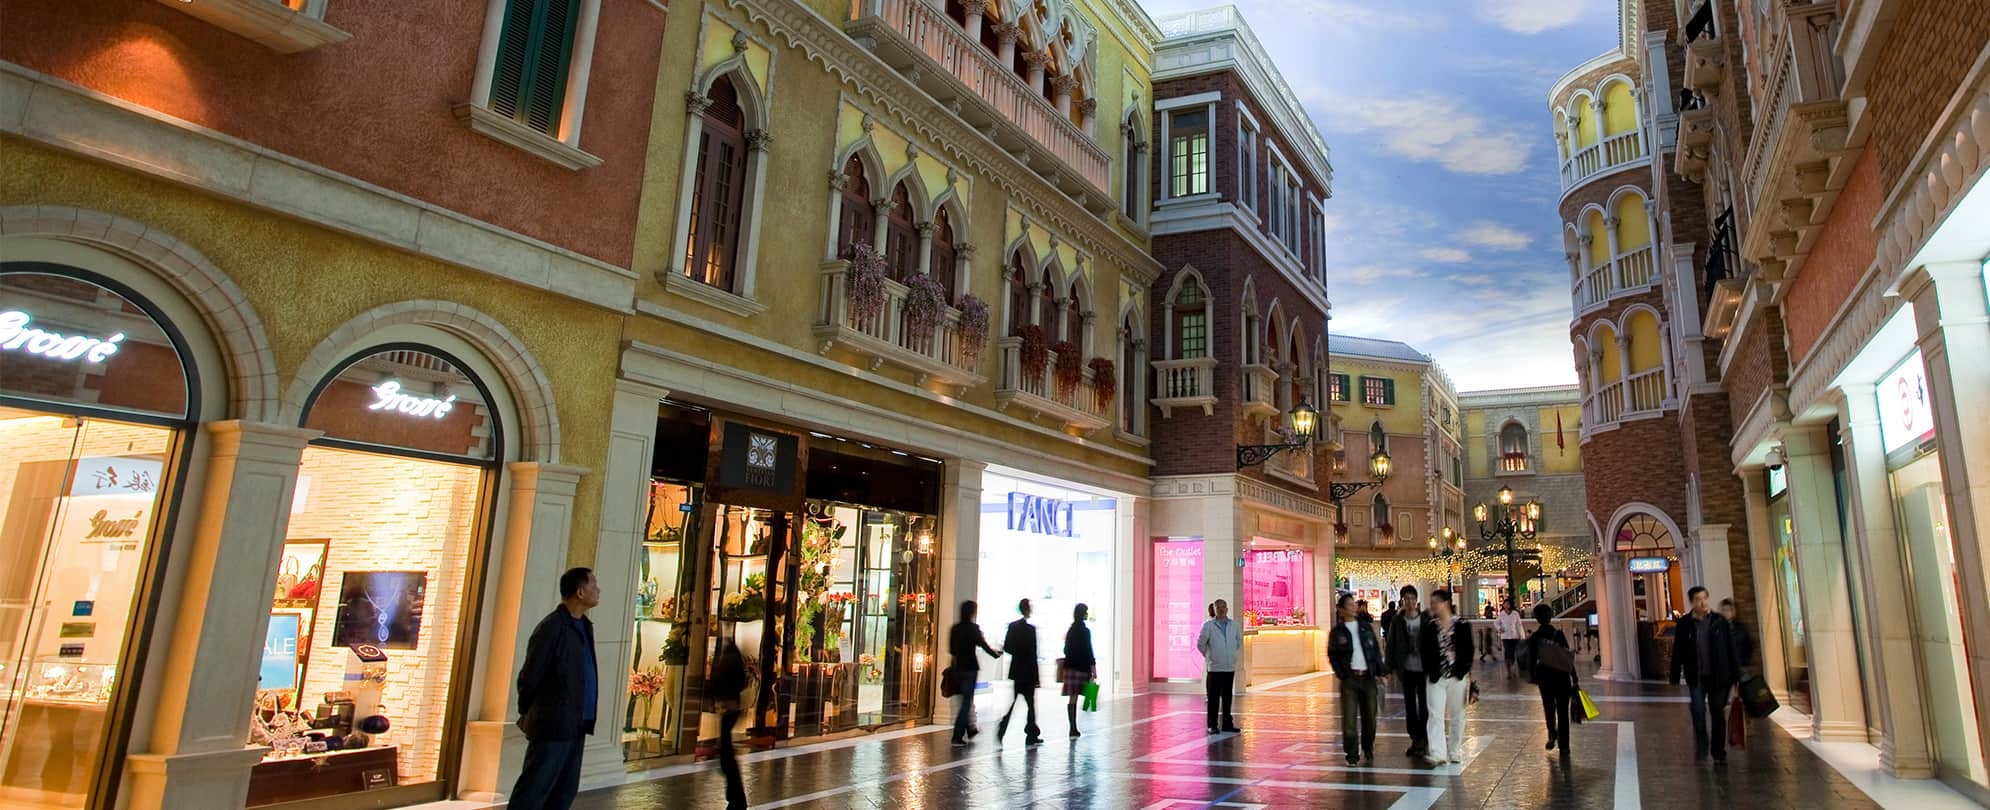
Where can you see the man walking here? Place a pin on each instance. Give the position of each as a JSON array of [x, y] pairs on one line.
[[558, 687], [1447, 651], [1358, 665], [1220, 641], [1703, 649], [1405, 662], [1510, 634], [1020, 646], [1388, 620], [728, 681]]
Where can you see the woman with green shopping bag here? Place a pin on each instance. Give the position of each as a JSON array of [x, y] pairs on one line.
[[1079, 668]]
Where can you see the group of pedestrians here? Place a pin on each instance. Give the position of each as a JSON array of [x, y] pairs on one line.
[[1711, 650], [1428, 651], [1077, 669]]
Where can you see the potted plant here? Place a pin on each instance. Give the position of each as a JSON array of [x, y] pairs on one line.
[[864, 282], [1035, 352], [1105, 382], [1340, 531], [925, 305], [973, 327], [1386, 531], [644, 685], [750, 603], [1070, 368]]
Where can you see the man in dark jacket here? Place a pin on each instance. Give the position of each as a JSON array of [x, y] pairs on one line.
[[1356, 656], [1020, 645], [1404, 657], [1703, 649], [728, 681], [962, 641], [1446, 644], [558, 688]]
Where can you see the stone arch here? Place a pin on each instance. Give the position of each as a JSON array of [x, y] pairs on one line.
[[744, 83], [1583, 130], [948, 199], [1606, 94], [915, 190], [520, 375], [1628, 511], [230, 319]]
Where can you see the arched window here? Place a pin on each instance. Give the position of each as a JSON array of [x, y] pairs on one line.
[[1047, 307], [1381, 507], [1513, 448], [1074, 318], [1300, 376], [855, 222], [944, 258], [901, 240], [1129, 374], [721, 179], [1133, 196], [1019, 295], [1378, 439], [1191, 326]]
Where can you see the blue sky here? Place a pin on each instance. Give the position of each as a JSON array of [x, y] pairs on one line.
[[1443, 229]]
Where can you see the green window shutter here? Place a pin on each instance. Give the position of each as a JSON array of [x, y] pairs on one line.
[[1388, 391], [535, 49]]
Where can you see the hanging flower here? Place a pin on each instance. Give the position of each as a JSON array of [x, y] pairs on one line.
[[1105, 382], [1340, 530], [925, 304], [973, 326], [1035, 351], [1070, 367], [864, 281]]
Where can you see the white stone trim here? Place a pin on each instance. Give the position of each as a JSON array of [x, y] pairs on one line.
[[482, 121], [56, 113], [520, 379], [1211, 215], [563, 151], [231, 321], [1207, 99], [274, 25], [680, 284]]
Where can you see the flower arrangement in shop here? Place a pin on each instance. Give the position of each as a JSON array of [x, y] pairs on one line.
[[868, 669], [1105, 382], [1070, 368], [925, 305], [750, 603], [864, 282], [1251, 618], [647, 682], [973, 327], [836, 605], [677, 646], [1035, 351]]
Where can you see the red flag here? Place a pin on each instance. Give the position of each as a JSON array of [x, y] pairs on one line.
[[1559, 444]]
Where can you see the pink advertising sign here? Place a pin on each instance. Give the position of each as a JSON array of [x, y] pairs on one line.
[[1178, 608]]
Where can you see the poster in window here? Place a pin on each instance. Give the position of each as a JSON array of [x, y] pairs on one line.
[[280, 651], [382, 608]]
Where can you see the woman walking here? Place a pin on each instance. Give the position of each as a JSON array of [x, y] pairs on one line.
[[961, 642], [728, 680], [1081, 667], [1554, 675], [1220, 642]]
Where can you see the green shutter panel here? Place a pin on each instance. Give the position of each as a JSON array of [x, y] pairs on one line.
[[1388, 391], [554, 54], [508, 77]]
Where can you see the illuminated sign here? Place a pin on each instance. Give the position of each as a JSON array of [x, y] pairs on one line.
[[388, 398], [1905, 416], [1648, 565], [1039, 515], [1178, 601], [16, 336]]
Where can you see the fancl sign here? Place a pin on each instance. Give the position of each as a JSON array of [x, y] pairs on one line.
[[1039, 515], [388, 398], [17, 335], [1648, 565]]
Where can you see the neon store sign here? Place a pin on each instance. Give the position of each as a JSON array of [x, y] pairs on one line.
[[17, 336], [389, 398]]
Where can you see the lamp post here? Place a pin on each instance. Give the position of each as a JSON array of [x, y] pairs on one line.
[[1305, 420], [1511, 522], [1453, 545]]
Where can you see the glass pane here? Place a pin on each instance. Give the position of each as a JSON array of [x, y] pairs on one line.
[[378, 553], [78, 503], [664, 604], [406, 398], [68, 340]]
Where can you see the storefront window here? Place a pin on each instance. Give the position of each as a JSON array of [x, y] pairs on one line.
[[864, 629], [1055, 546], [662, 632], [1789, 591], [1178, 608], [94, 399], [360, 676], [1936, 587], [1278, 587]]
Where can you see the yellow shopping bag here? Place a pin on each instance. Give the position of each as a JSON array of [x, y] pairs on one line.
[[1588, 706]]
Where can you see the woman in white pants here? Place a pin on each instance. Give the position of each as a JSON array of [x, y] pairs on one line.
[[1447, 642]]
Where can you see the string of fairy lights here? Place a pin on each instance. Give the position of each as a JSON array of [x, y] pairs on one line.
[[1554, 559]]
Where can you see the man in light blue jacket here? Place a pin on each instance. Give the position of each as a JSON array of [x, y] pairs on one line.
[[1220, 642]]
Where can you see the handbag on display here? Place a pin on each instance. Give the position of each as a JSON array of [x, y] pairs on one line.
[[1737, 730], [1589, 711], [286, 578], [1756, 697]]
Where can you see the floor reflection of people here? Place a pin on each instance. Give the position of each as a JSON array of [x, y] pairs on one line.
[[51, 751]]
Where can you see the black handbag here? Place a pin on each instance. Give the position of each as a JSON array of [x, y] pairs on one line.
[[949, 684], [1756, 697], [1554, 657]]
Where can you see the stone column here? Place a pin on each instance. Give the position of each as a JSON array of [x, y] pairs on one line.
[[925, 232], [1768, 603], [204, 682], [960, 560], [1615, 620], [1006, 35], [1838, 704], [1061, 89], [1610, 222], [1710, 565], [1035, 61], [527, 557], [1954, 335], [977, 11], [1133, 647], [1876, 549]]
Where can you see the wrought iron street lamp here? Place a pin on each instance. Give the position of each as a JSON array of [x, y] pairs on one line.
[[1378, 472], [1505, 524], [1305, 421], [1452, 545]]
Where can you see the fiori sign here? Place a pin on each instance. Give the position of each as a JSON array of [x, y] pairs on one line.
[[389, 398], [1039, 515], [18, 335]]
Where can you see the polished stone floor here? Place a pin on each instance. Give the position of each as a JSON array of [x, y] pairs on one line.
[[1149, 752]]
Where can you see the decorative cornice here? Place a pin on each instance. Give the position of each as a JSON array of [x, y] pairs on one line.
[[823, 42], [759, 140]]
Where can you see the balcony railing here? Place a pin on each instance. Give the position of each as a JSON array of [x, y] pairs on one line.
[[1077, 407], [1621, 149], [1185, 384], [1513, 462], [1645, 392], [1630, 271], [924, 29], [937, 354], [1260, 390]]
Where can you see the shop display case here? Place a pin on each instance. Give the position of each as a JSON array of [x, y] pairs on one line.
[[55, 680], [662, 623]]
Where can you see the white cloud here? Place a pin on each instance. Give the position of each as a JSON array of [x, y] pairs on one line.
[[1445, 254], [1478, 280], [1531, 16], [1433, 129], [1369, 273], [1496, 236]]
